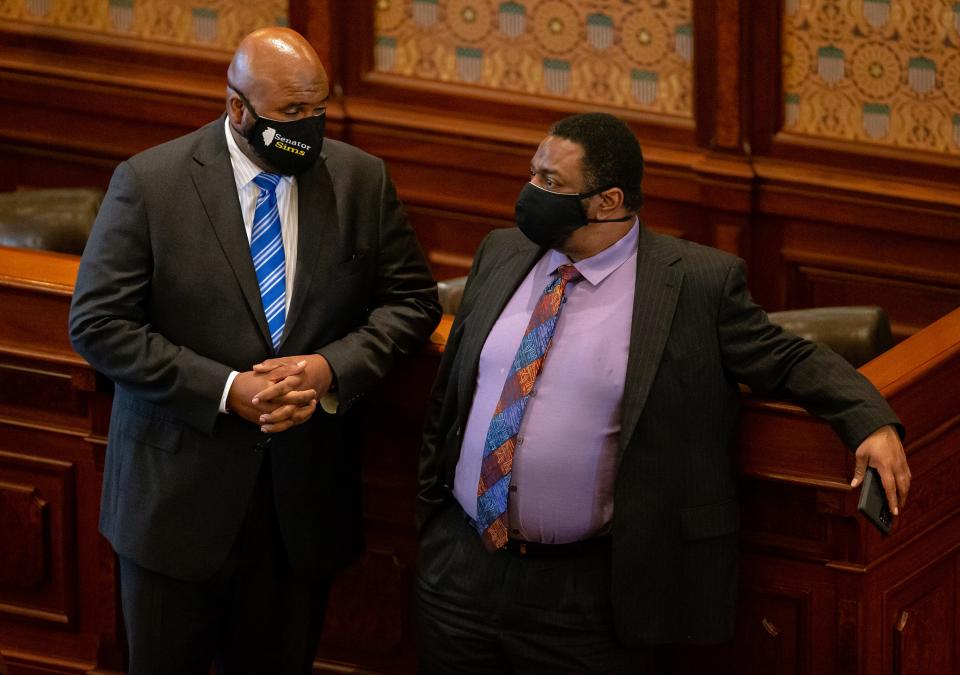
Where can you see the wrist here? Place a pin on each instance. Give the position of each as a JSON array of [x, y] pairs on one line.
[[322, 375], [225, 398]]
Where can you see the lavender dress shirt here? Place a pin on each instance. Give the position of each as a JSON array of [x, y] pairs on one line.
[[565, 463]]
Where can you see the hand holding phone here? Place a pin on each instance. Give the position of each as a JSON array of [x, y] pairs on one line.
[[873, 501]]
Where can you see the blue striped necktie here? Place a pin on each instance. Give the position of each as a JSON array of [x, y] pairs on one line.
[[266, 247]]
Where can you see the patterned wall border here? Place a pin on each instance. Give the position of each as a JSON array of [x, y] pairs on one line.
[[884, 72], [216, 25], [636, 55]]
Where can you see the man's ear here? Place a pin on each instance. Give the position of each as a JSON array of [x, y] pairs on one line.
[[234, 109], [612, 199]]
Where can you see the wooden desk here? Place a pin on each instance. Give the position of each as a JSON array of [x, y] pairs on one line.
[[822, 592], [59, 608]]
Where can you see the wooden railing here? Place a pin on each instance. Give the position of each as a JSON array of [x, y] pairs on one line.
[[821, 592]]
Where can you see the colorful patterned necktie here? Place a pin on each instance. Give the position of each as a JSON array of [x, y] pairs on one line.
[[492, 518], [266, 247]]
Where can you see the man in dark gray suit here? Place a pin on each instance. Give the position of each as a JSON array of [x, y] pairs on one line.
[[234, 278], [577, 495]]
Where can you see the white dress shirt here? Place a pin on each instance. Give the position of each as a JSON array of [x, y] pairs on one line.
[[244, 171]]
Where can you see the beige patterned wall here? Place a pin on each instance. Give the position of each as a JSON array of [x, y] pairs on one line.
[[635, 55], [214, 24], [876, 71]]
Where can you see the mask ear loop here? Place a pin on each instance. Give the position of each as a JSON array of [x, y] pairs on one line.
[[594, 193], [244, 100]]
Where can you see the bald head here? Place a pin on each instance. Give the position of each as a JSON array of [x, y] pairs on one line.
[[280, 74]]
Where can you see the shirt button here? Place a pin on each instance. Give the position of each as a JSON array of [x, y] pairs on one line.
[[519, 440]]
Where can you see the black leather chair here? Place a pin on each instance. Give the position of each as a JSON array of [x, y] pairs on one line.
[[51, 220], [859, 334], [451, 292]]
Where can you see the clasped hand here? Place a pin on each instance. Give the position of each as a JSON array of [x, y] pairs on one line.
[[280, 393]]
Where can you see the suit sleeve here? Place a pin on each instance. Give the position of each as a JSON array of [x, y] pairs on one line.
[[109, 316], [442, 409], [404, 308], [776, 363]]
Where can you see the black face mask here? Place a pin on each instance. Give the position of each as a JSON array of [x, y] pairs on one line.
[[549, 218], [289, 147]]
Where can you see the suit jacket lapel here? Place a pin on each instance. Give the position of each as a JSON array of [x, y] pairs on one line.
[[506, 278], [213, 177], [317, 234], [655, 300]]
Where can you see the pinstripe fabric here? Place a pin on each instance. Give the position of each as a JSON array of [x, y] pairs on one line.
[[695, 334], [495, 470]]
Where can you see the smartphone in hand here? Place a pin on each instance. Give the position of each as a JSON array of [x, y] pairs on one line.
[[873, 501]]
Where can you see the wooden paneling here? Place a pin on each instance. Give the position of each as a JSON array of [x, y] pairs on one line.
[[370, 617], [26, 516], [69, 112], [37, 496], [922, 615], [58, 603], [821, 590], [798, 209], [834, 281], [47, 395], [818, 223], [774, 630], [818, 575]]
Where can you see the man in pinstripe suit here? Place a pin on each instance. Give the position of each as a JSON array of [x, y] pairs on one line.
[[620, 512]]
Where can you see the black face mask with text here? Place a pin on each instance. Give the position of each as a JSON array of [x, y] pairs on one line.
[[289, 147], [549, 218]]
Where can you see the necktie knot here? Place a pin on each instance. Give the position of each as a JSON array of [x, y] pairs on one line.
[[568, 273], [267, 181]]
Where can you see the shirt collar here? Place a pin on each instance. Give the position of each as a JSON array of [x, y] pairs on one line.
[[598, 267], [244, 170]]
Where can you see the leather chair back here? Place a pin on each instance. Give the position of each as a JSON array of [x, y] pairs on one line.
[[858, 334], [451, 292], [51, 220]]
